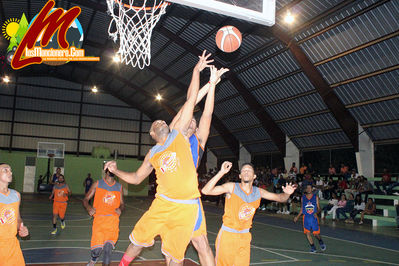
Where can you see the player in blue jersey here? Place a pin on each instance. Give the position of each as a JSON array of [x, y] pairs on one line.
[[310, 208]]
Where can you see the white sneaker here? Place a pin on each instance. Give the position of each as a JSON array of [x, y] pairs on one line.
[[395, 193], [279, 212], [287, 212], [361, 222], [263, 209]]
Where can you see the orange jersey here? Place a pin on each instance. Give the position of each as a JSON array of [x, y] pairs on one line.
[[240, 208], [60, 193], [174, 167], [107, 198], [9, 208]]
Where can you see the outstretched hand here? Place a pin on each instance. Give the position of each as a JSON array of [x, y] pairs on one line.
[[111, 166], [216, 74], [203, 61], [226, 166], [289, 188]]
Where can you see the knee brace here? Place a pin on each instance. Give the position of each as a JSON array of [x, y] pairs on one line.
[[108, 247], [95, 253]]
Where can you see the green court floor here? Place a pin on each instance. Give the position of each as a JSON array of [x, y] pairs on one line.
[[271, 243]]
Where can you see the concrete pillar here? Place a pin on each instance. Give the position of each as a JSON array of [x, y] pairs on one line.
[[29, 174], [211, 160], [291, 155], [365, 156], [245, 156]]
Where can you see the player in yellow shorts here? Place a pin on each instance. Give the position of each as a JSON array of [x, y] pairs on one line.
[[60, 195], [233, 243], [198, 137], [10, 221], [176, 207]]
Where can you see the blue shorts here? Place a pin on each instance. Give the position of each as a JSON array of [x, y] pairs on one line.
[[311, 224]]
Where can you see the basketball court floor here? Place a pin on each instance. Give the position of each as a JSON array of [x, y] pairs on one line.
[[275, 240]]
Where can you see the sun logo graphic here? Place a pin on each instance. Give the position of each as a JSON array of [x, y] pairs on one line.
[[246, 212], [13, 30], [309, 208], [109, 198], [7, 216], [168, 162]]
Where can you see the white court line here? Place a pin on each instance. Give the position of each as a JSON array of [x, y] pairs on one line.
[[333, 255], [324, 236], [273, 262], [265, 249]]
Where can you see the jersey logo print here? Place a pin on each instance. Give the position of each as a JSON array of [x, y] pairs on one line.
[[309, 208], [7, 216], [168, 162], [246, 212], [109, 198]]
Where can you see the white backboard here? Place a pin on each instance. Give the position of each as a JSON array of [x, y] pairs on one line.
[[257, 11], [46, 148]]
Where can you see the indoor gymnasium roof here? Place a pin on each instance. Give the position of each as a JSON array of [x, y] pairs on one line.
[[335, 66]]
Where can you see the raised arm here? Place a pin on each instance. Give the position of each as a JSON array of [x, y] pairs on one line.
[[206, 118], [187, 110], [281, 197], [211, 189], [135, 178]]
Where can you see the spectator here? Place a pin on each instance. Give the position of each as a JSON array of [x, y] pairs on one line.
[[310, 169], [358, 208], [332, 187], [352, 188], [385, 182], [342, 185], [303, 169], [365, 188], [341, 204], [345, 171], [348, 207], [370, 209], [331, 171], [331, 203], [319, 187], [56, 175], [393, 185], [87, 183], [293, 169]]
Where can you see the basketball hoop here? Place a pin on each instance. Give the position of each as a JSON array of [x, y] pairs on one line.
[[133, 23], [51, 155]]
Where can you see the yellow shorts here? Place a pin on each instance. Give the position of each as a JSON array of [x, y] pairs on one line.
[[105, 229], [202, 223], [233, 248], [174, 222], [10, 253], [59, 208]]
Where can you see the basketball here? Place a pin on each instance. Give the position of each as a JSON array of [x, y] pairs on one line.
[[228, 39]]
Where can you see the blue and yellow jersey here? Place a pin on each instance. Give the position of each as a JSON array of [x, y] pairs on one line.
[[309, 206], [197, 150], [174, 168]]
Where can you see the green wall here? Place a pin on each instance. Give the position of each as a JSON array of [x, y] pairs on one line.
[[75, 170]]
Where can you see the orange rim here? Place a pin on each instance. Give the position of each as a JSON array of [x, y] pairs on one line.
[[137, 7]]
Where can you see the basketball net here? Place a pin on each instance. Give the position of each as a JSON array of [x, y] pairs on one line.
[[133, 26]]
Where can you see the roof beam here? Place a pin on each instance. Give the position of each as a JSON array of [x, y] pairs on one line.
[[229, 138], [276, 134], [344, 118]]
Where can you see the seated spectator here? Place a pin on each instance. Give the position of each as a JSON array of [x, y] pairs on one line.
[[332, 187], [348, 207], [392, 186], [293, 169], [326, 193], [385, 182], [302, 170], [357, 208], [352, 188], [365, 188], [331, 171], [310, 169], [319, 187], [344, 171], [342, 185], [370, 209], [341, 204], [331, 203]]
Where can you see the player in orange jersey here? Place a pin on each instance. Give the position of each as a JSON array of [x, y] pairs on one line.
[[176, 208], [233, 243], [10, 221], [198, 137], [107, 207], [60, 195]]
